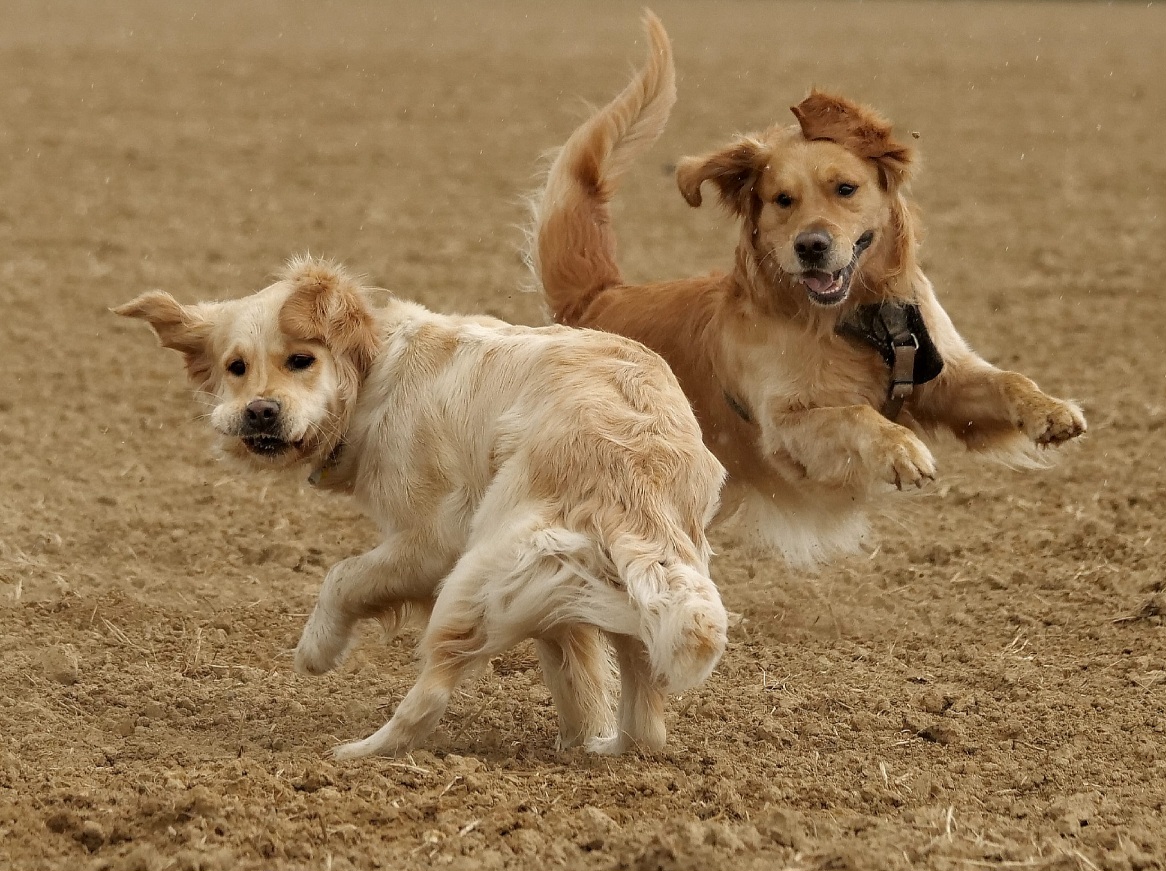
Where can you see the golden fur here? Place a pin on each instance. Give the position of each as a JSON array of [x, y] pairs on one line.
[[803, 467], [547, 483]]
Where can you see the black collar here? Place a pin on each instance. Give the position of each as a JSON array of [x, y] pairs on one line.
[[897, 331]]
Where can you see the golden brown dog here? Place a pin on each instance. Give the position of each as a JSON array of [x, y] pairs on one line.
[[818, 361], [528, 483]]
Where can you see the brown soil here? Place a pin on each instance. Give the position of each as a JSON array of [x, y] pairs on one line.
[[988, 690]]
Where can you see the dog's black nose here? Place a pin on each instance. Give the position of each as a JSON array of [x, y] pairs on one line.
[[812, 245], [262, 415]]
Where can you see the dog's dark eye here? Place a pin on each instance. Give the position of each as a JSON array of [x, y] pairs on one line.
[[847, 190], [300, 361], [784, 200], [237, 368]]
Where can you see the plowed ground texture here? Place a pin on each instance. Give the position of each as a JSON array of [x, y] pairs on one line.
[[986, 690]]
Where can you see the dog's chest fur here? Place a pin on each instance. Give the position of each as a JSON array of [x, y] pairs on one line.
[[779, 366]]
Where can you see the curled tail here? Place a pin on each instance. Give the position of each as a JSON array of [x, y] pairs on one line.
[[682, 621], [571, 247]]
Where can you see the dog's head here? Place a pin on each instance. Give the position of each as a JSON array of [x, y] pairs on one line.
[[280, 368], [815, 198]]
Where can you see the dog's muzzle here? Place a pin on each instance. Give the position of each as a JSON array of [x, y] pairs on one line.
[[261, 429], [826, 288]]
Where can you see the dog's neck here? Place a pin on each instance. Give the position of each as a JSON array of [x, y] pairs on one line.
[[334, 471], [335, 464]]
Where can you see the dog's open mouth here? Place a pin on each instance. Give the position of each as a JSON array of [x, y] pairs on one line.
[[266, 445], [831, 288]]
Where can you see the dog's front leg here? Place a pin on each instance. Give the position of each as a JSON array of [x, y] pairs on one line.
[[846, 446], [986, 408], [385, 579]]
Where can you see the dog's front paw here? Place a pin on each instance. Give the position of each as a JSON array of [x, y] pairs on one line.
[[858, 447], [606, 745], [903, 460], [321, 646], [309, 660], [391, 739], [1049, 421], [361, 749]]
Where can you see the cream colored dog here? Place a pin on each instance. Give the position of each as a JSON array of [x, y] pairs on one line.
[[529, 483]]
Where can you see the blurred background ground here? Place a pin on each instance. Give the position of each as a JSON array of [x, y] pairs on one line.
[[988, 690]]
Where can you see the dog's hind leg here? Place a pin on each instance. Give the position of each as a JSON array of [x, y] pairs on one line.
[[380, 583], [577, 669], [641, 702]]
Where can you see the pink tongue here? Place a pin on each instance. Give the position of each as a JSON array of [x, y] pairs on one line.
[[818, 281]]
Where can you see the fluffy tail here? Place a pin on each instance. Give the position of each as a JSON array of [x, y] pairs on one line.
[[571, 247], [682, 620]]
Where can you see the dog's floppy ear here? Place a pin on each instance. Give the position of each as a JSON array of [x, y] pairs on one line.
[[858, 129], [328, 306], [733, 169], [181, 327]]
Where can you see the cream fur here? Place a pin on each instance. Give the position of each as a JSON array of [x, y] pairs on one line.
[[529, 483]]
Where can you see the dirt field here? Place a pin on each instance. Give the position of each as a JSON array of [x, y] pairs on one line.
[[988, 690]]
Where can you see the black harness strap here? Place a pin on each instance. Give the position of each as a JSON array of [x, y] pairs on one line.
[[897, 331]]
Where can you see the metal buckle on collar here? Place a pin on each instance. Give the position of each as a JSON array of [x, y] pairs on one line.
[[902, 374], [903, 369]]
